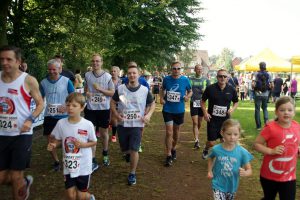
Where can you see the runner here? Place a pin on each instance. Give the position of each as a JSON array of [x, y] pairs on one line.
[[99, 89], [176, 90], [219, 96], [17, 89], [157, 80], [198, 83], [133, 99], [55, 89], [77, 136], [115, 72]]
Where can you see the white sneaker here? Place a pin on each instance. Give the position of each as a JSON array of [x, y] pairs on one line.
[[92, 197], [29, 181]]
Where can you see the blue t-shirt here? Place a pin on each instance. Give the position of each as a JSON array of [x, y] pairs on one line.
[[173, 88], [226, 167], [142, 81]]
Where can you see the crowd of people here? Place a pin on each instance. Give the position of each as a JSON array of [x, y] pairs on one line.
[[127, 105]]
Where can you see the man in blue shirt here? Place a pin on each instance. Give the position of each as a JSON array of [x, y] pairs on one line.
[[176, 90]]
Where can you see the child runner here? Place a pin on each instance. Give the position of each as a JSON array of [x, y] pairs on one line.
[[279, 142], [228, 161], [77, 136]]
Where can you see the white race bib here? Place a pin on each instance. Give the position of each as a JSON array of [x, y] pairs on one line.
[[98, 98], [219, 111], [173, 96], [131, 115], [196, 104], [72, 162], [52, 109], [8, 123]]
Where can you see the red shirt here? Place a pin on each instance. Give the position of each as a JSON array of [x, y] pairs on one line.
[[281, 168]]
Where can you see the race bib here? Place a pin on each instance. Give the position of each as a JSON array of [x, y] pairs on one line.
[[98, 98], [72, 162], [173, 96], [131, 115], [196, 104], [219, 111], [8, 123], [52, 109]]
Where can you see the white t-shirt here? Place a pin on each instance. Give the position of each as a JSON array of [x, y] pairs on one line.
[[77, 161]]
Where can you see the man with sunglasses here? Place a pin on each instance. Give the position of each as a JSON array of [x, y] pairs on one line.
[[219, 96], [175, 90]]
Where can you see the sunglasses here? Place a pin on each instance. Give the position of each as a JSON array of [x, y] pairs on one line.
[[222, 76], [174, 68]]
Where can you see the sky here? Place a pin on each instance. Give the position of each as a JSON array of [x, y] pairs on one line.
[[249, 26]]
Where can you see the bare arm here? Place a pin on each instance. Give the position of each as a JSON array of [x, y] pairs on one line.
[[260, 146], [53, 144], [161, 95], [88, 144], [206, 115], [188, 95], [114, 111], [210, 164], [32, 86], [246, 170], [150, 110], [231, 110]]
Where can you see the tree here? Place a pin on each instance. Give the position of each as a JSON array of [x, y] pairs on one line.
[[225, 58]]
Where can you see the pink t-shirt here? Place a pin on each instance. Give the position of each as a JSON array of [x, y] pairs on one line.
[[281, 168]]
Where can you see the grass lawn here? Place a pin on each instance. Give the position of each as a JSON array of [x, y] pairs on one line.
[[245, 114]]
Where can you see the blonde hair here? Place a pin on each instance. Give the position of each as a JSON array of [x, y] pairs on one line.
[[230, 123], [77, 97]]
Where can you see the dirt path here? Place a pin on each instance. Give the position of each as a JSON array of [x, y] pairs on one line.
[[185, 180]]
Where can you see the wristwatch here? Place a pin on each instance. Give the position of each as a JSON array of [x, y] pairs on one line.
[[31, 118]]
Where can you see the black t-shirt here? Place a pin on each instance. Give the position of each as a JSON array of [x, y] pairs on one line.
[[68, 74], [278, 82], [218, 98]]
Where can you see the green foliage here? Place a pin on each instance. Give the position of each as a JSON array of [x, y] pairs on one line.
[[150, 32]]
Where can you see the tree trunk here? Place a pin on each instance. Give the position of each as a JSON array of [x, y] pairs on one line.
[[3, 21]]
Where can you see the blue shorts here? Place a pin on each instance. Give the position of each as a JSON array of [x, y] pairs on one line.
[[81, 182], [129, 138], [173, 118]]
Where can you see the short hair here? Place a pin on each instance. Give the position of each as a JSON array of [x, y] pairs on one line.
[[54, 62], [16, 50], [97, 54], [262, 66], [77, 97], [175, 62], [230, 123], [60, 57], [132, 64], [115, 67], [222, 70]]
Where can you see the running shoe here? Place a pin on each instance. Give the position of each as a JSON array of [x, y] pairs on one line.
[[168, 161], [196, 145], [97, 134], [113, 138], [56, 166], [95, 166], [29, 181], [131, 179], [106, 161], [173, 153], [140, 149], [204, 154], [92, 197]]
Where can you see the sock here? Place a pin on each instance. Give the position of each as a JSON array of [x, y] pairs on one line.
[[105, 153]]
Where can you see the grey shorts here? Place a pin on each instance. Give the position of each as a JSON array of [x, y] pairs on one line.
[[129, 138]]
